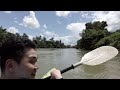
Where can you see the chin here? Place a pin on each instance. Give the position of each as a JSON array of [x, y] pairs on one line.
[[33, 77]]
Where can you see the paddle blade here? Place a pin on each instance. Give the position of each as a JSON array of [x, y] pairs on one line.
[[99, 55]]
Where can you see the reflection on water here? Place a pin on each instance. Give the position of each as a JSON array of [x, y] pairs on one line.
[[63, 58]]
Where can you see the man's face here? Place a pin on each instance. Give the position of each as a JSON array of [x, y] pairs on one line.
[[27, 67]]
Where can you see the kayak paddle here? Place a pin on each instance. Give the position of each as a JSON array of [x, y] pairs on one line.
[[94, 57]]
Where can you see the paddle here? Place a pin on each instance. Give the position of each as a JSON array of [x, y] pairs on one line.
[[94, 57]]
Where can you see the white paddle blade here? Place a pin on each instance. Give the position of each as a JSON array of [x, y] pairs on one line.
[[99, 55]]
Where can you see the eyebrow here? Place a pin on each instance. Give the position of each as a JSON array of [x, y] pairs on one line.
[[33, 57]]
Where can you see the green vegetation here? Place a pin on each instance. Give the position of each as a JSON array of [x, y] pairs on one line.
[[111, 40], [51, 43], [96, 35], [38, 40]]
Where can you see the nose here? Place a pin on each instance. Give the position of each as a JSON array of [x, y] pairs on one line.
[[36, 67]]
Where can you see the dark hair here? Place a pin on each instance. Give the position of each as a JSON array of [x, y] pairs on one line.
[[14, 48]]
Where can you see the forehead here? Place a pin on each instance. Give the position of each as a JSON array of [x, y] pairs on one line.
[[31, 53]]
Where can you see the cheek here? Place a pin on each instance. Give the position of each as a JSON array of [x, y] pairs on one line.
[[29, 67], [26, 66]]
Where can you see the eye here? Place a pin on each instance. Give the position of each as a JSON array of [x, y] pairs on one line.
[[32, 61]]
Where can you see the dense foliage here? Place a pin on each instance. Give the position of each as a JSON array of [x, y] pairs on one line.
[[41, 42], [95, 35]]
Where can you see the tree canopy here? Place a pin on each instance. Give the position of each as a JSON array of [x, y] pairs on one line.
[[41, 42], [95, 35]]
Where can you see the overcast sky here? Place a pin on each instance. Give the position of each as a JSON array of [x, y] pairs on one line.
[[64, 25]]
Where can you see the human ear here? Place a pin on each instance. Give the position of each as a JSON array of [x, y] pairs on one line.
[[10, 65]]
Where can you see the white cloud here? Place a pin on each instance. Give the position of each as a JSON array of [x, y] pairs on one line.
[[84, 14], [64, 13], [7, 11], [30, 37], [68, 40], [50, 34], [21, 24], [41, 35], [65, 39], [112, 18], [45, 26], [31, 21], [76, 27], [15, 18], [87, 14], [12, 30], [16, 21], [59, 22]]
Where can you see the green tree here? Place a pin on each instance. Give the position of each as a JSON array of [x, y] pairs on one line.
[[92, 34], [112, 40], [25, 35]]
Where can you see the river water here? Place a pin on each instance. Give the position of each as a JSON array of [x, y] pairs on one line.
[[63, 58]]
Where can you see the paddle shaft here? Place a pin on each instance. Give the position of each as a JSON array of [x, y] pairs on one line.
[[64, 70], [67, 69], [90, 57]]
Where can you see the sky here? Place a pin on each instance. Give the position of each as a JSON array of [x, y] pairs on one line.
[[62, 25]]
